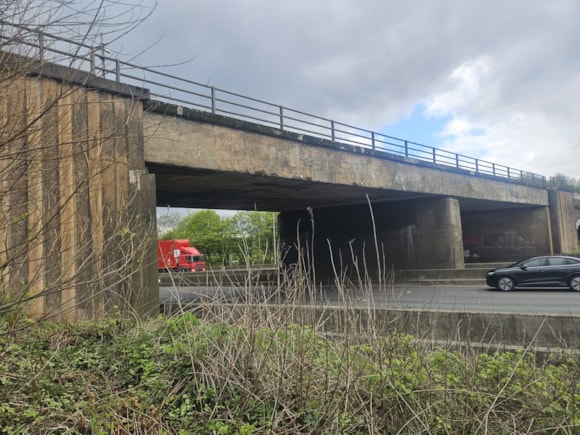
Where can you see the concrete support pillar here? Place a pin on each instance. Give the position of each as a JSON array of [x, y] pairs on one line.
[[370, 241], [563, 220], [329, 244], [439, 242], [77, 204], [507, 235]]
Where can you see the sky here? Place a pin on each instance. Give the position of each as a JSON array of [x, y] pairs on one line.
[[496, 80]]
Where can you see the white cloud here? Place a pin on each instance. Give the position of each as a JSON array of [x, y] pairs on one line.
[[507, 73]]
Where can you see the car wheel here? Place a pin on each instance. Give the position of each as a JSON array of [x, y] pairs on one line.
[[574, 283], [505, 283]]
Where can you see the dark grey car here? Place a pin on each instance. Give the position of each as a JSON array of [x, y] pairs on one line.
[[547, 271]]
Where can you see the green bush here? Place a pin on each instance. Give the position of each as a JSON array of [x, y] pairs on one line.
[[184, 375]]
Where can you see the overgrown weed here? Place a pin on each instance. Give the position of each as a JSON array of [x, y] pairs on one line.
[[260, 359], [247, 367]]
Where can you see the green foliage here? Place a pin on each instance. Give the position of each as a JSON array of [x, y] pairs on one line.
[[166, 224], [568, 183], [252, 237], [245, 238], [184, 375]]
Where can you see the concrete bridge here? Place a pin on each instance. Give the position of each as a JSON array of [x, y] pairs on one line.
[[419, 214], [85, 160]]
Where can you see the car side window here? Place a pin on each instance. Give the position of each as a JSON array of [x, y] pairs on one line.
[[572, 261], [556, 261], [536, 262]]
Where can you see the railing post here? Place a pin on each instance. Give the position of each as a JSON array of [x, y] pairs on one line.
[[476, 166], [493, 169], [103, 61], [406, 149], [373, 139], [508, 173], [434, 155], [332, 130], [457, 161], [41, 46], [93, 62], [118, 70], [213, 100], [281, 118]]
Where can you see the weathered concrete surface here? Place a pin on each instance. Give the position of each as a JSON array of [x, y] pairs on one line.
[[205, 160], [77, 221], [577, 214], [489, 331], [363, 241], [439, 234], [563, 218], [217, 166], [506, 235]]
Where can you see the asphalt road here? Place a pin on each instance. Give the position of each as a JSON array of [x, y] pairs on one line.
[[449, 298]]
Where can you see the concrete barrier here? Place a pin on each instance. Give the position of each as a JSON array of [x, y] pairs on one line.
[[487, 331]]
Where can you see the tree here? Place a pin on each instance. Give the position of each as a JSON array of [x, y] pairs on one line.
[[205, 230], [255, 237], [563, 181], [166, 224], [246, 238]]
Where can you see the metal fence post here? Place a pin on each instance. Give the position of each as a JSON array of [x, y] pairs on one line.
[[213, 100], [103, 61], [332, 130], [41, 46], [406, 149], [118, 69], [373, 139], [93, 62], [434, 155], [476, 166], [281, 118]]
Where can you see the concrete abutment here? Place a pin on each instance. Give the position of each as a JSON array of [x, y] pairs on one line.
[[77, 215]]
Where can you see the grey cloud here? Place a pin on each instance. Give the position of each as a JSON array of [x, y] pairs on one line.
[[370, 62]]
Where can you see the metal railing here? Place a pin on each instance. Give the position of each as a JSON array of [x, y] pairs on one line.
[[164, 87]]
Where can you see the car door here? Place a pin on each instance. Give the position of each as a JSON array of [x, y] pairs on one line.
[[557, 271], [532, 272]]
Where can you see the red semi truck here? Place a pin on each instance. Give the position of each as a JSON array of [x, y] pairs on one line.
[[177, 255]]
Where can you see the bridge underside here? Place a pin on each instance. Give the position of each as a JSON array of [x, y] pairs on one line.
[[413, 230], [210, 189]]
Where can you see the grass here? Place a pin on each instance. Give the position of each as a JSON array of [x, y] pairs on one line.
[[223, 368]]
